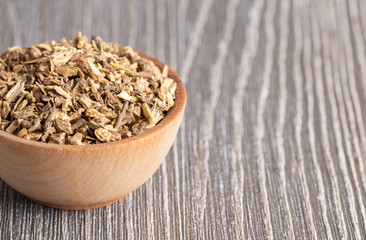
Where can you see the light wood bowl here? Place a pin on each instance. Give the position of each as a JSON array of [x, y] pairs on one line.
[[91, 176]]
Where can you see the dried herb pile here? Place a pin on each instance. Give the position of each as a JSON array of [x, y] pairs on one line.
[[80, 92]]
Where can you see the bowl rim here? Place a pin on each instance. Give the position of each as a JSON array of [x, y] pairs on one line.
[[171, 115]]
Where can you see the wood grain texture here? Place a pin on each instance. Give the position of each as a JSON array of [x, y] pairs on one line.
[[273, 141]]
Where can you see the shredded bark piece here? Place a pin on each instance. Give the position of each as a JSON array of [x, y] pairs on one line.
[[79, 92]]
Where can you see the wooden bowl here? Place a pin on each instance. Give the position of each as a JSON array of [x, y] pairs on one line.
[[90, 176]]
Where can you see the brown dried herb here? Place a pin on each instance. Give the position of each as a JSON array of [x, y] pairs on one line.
[[80, 92]]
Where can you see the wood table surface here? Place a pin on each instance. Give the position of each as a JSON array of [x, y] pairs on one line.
[[273, 142]]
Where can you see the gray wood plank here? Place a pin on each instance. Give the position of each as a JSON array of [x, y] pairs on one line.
[[273, 142]]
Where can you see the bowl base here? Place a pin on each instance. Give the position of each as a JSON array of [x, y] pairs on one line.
[[87, 207]]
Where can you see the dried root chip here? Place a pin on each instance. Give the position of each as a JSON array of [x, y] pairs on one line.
[[125, 96], [15, 91], [44, 46], [63, 126], [58, 138], [62, 92], [67, 71], [97, 116], [22, 133], [77, 139], [35, 136], [105, 136], [13, 126]]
